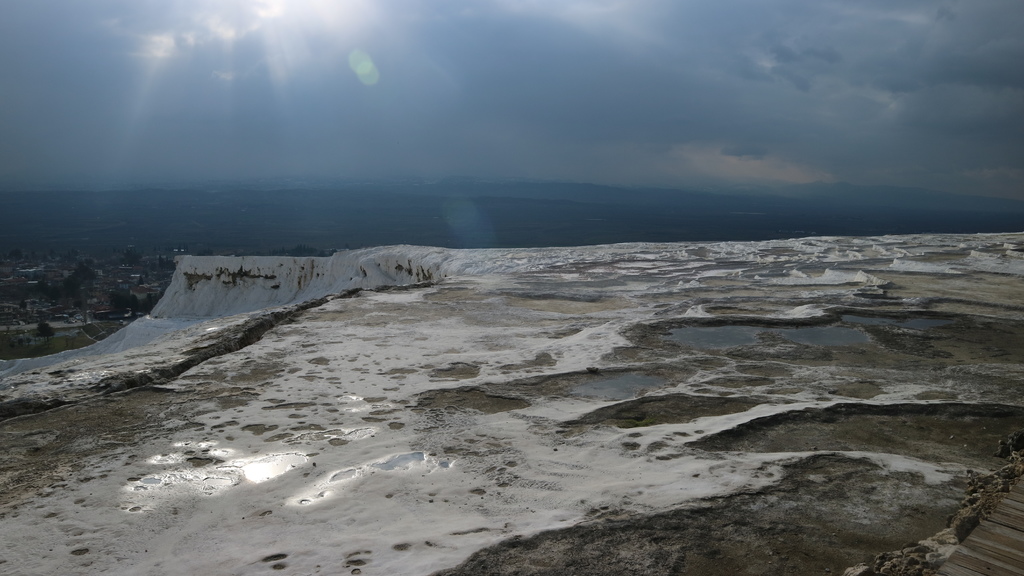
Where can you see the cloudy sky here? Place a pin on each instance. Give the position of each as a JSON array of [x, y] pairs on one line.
[[687, 93]]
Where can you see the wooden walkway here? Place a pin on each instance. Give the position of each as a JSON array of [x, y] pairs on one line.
[[996, 546]]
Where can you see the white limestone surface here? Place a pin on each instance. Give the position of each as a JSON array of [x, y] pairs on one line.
[[325, 462]]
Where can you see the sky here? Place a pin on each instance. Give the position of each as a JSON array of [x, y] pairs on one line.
[[706, 94]]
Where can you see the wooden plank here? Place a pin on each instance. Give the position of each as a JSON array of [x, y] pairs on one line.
[[996, 546], [1007, 518], [1011, 503], [984, 563], [996, 552], [955, 566], [1000, 534], [951, 568], [1010, 522], [983, 567], [1010, 508], [1017, 492], [1010, 512]]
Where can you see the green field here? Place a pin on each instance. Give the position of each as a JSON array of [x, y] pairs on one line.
[[11, 349]]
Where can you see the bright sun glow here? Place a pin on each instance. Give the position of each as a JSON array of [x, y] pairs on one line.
[[181, 26], [270, 467], [235, 40]]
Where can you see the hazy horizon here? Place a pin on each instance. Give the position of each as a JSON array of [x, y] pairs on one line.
[[475, 214]]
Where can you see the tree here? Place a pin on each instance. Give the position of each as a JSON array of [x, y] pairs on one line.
[[84, 272], [44, 330], [131, 257], [120, 300], [71, 286], [51, 292], [165, 263]]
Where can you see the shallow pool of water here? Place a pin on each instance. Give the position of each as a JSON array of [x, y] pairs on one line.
[[620, 387], [824, 335], [716, 337]]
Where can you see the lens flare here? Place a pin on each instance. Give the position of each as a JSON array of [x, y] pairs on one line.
[[363, 66], [470, 226]]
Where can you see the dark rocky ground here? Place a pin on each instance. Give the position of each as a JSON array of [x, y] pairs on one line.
[[828, 513]]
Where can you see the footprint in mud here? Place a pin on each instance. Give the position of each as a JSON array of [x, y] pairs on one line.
[[344, 475], [353, 559], [276, 558], [311, 499], [289, 406]]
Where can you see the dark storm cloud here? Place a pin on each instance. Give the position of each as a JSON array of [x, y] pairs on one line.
[[918, 93]]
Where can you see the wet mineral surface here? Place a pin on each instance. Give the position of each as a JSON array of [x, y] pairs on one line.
[[793, 407]]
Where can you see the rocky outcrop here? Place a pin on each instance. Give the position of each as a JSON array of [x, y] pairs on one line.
[[217, 286]]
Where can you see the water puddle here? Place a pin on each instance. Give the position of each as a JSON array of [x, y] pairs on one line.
[[621, 387], [717, 337], [824, 335], [729, 336], [914, 323]]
